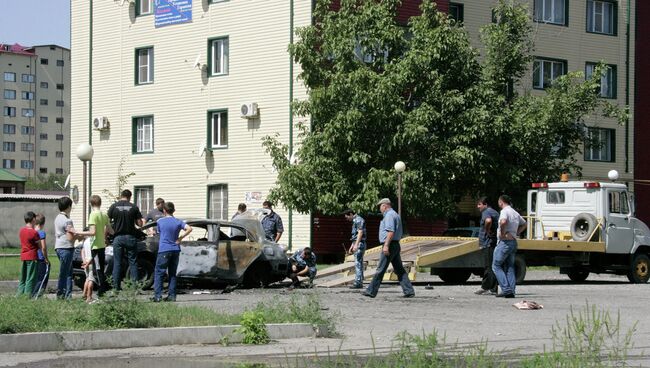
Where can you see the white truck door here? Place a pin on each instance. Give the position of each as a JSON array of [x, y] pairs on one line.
[[619, 232]]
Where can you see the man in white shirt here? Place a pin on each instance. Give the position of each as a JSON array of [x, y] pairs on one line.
[[511, 224]]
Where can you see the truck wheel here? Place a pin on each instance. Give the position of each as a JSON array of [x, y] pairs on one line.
[[454, 276], [639, 272], [577, 274], [520, 269], [583, 226]]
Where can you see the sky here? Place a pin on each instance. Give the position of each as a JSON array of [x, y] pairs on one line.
[[35, 22]]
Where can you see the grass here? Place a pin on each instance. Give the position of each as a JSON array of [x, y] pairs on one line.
[[10, 266], [47, 315]]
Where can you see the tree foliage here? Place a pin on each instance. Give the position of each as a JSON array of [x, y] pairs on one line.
[[380, 92], [51, 182]]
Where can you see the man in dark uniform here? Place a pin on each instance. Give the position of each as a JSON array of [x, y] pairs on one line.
[[125, 216], [487, 243], [358, 247], [272, 223]]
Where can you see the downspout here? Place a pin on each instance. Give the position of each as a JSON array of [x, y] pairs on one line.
[[90, 99], [290, 110], [627, 87]]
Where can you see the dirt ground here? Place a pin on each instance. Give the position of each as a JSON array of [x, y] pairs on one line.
[[369, 326]]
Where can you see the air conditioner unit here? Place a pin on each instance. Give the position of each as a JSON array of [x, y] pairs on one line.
[[249, 110], [101, 123]]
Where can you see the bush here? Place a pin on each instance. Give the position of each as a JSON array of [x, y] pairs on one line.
[[253, 328]]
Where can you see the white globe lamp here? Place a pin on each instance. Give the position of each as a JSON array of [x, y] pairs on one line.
[[612, 175], [85, 152], [400, 166]]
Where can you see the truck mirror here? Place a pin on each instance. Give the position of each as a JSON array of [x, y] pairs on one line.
[[632, 205]]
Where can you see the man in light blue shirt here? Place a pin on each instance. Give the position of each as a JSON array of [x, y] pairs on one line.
[[390, 233]]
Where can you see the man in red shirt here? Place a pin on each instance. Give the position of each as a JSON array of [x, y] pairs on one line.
[[29, 241]]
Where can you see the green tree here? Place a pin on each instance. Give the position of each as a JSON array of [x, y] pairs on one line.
[[380, 92], [52, 182]]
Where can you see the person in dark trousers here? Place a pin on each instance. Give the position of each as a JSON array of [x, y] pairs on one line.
[[303, 263], [272, 223], [390, 233], [64, 247], [511, 224], [125, 216], [169, 249], [43, 260], [358, 247], [487, 243]]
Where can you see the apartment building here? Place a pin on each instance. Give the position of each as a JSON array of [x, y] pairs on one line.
[[35, 109]]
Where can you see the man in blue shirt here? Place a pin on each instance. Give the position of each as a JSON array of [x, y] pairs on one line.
[[487, 242], [358, 248], [303, 263], [169, 228], [390, 233], [272, 223]]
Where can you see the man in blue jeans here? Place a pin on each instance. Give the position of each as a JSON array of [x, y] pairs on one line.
[[390, 233], [124, 216], [511, 224], [64, 247], [169, 249]]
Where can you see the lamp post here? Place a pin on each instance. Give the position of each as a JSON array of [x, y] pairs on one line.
[[399, 169], [85, 153]]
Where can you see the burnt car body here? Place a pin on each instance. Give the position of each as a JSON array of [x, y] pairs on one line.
[[227, 252]]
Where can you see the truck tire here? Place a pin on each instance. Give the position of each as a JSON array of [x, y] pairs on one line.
[[583, 226], [577, 274], [454, 276], [639, 272], [520, 268]]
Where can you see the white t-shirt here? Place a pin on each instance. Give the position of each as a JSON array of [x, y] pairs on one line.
[[514, 220], [87, 250]]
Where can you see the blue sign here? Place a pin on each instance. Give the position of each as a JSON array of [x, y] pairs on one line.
[[173, 12]]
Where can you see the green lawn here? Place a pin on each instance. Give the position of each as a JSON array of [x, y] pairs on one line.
[[10, 266]]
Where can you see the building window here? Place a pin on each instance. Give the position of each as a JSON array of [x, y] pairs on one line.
[[60, 63], [144, 198], [43, 170], [59, 154], [27, 147], [456, 12], [551, 11], [44, 136], [9, 129], [218, 129], [59, 170], [143, 7], [59, 137], [59, 120], [545, 71], [43, 119], [44, 61], [43, 153], [9, 111], [26, 130], [59, 86], [144, 65], [600, 145], [8, 164], [142, 134], [601, 17], [43, 102], [27, 113], [26, 95], [44, 85], [26, 164], [607, 80], [59, 103], [218, 202], [28, 78], [10, 94], [9, 146], [10, 77], [218, 56]]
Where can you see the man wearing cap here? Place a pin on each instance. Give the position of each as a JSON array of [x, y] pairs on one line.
[[390, 233]]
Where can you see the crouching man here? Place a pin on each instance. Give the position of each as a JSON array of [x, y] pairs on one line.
[[303, 263]]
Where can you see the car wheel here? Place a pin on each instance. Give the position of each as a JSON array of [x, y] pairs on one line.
[[145, 273], [577, 274], [257, 275], [520, 269], [639, 272], [454, 275]]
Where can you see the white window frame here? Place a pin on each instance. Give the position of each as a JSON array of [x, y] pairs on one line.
[[144, 198], [604, 152], [27, 130], [27, 113], [546, 11], [144, 134], [607, 80], [219, 129], [9, 129], [27, 147], [27, 95], [141, 7], [10, 94], [8, 146], [8, 163], [26, 164], [144, 69], [10, 77], [27, 78], [218, 202], [539, 67], [603, 11], [9, 111], [219, 51]]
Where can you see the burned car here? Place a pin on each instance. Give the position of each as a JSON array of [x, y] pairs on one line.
[[228, 252]]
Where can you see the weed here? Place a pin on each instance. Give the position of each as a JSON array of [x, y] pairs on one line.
[[301, 308], [253, 328]]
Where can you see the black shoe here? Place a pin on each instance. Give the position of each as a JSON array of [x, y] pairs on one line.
[[154, 299], [168, 299], [365, 293], [509, 295], [409, 295], [356, 287]]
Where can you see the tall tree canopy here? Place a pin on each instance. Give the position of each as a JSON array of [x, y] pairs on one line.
[[380, 92]]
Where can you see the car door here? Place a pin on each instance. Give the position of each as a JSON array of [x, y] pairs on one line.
[[198, 258], [619, 235], [236, 252]]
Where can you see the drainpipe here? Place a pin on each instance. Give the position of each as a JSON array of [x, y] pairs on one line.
[[627, 87], [90, 98], [290, 110]]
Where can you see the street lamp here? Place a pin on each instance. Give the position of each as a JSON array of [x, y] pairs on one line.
[[85, 153], [399, 169]]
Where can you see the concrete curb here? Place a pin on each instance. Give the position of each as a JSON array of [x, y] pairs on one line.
[[143, 337]]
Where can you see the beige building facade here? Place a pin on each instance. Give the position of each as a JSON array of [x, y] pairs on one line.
[[36, 109]]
